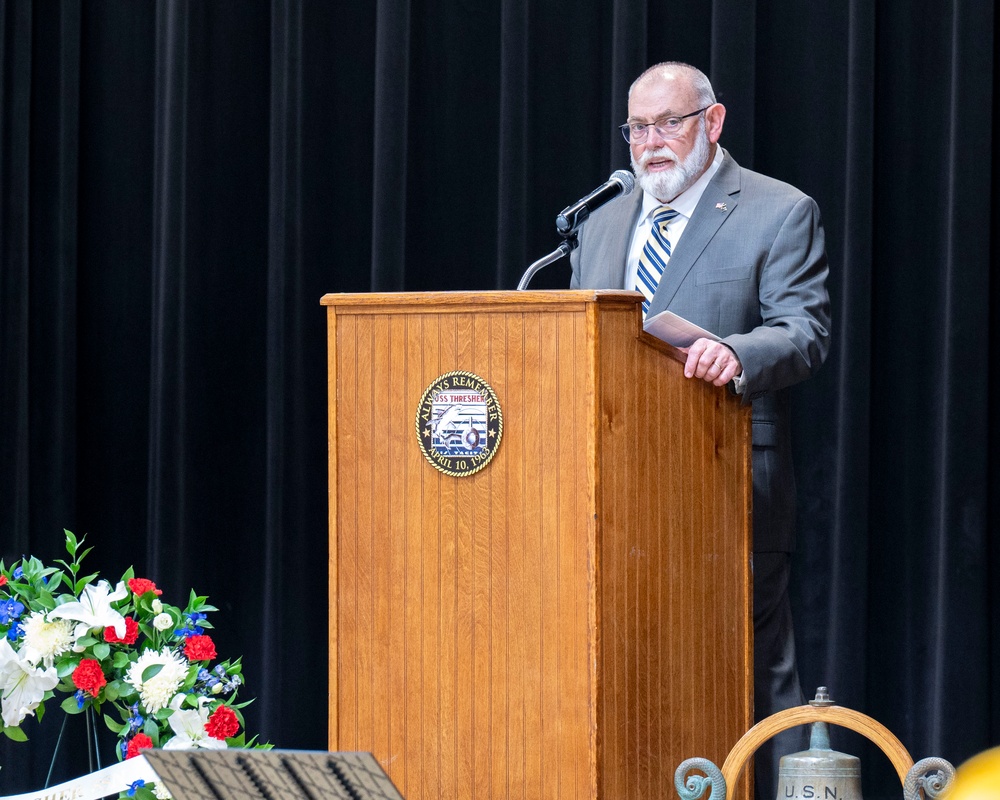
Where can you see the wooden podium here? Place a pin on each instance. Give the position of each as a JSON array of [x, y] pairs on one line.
[[574, 619]]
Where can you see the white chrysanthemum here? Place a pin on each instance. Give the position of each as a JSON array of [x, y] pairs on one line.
[[157, 692], [161, 792], [44, 640]]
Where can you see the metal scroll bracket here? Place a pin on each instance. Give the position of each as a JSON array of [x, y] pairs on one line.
[[928, 779]]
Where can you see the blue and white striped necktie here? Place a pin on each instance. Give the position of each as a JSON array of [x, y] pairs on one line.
[[655, 255]]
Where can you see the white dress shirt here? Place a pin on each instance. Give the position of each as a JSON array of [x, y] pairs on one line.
[[684, 204]]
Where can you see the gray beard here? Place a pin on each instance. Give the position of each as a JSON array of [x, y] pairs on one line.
[[665, 186]]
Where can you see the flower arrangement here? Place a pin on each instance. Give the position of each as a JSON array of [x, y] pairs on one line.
[[121, 651]]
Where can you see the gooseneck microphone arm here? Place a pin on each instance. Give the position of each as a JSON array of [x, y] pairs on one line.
[[568, 245], [572, 217]]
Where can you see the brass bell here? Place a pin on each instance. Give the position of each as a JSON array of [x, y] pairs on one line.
[[819, 773]]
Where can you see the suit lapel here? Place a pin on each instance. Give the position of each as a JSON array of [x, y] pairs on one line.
[[717, 203], [617, 240]]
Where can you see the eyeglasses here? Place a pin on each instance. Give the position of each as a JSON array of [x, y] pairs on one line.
[[666, 127]]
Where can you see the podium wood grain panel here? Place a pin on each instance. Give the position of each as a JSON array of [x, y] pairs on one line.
[[573, 620]]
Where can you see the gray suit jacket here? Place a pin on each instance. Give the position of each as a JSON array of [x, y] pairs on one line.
[[750, 267]]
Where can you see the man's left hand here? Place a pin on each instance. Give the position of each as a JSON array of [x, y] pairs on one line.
[[712, 362]]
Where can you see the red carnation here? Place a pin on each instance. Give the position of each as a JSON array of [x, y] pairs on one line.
[[199, 648], [3, 580], [223, 723], [89, 677], [131, 633], [142, 585], [138, 742]]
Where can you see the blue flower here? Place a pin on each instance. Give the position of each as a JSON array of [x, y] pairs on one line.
[[135, 786], [191, 627], [15, 632], [136, 720], [18, 573], [10, 610], [81, 698], [209, 680]]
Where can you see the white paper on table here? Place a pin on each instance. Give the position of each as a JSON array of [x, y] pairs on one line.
[[676, 330]]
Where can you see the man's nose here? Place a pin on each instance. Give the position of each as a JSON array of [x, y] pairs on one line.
[[654, 138]]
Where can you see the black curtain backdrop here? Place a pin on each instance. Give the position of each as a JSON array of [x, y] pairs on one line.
[[182, 181]]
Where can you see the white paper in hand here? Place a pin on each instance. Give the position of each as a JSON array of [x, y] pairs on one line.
[[676, 330]]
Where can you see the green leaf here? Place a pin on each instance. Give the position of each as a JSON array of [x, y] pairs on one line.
[[126, 692], [151, 672], [79, 586], [120, 660], [102, 651], [70, 707], [113, 726], [152, 730], [252, 744], [45, 601], [16, 734], [64, 668]]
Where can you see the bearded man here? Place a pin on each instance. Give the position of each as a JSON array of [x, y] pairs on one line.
[[741, 255]]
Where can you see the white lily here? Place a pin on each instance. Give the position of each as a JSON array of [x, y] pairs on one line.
[[93, 609], [22, 685], [189, 727]]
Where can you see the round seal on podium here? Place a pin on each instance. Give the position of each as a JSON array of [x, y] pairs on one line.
[[459, 423]]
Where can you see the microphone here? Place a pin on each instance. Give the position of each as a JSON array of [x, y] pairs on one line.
[[572, 217]]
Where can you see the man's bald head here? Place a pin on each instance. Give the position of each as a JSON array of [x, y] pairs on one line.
[[691, 77]]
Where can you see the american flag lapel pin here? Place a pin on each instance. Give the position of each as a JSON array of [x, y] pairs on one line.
[[721, 206]]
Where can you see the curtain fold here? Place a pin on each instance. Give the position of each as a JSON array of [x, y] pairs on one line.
[[733, 70], [284, 254], [512, 169], [167, 471], [180, 183], [15, 129], [632, 38], [53, 264], [389, 137], [834, 479]]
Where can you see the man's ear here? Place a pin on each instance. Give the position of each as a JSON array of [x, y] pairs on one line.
[[715, 116]]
